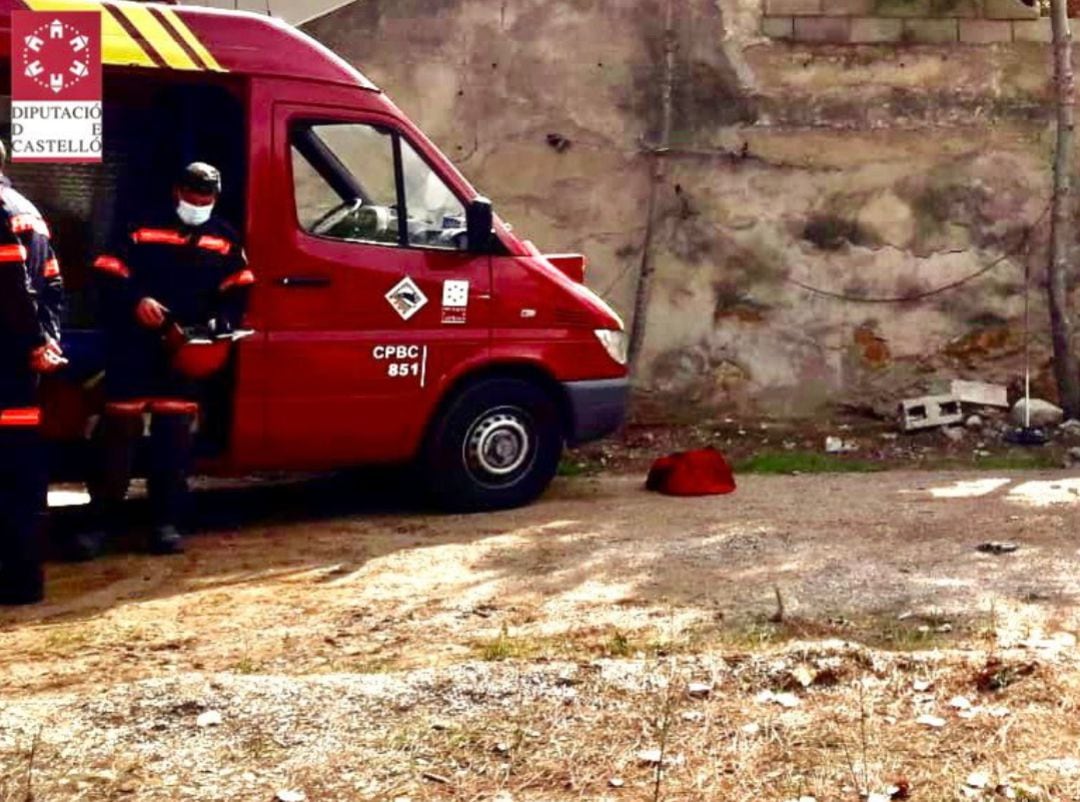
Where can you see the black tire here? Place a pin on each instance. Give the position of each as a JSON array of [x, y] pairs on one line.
[[496, 445]]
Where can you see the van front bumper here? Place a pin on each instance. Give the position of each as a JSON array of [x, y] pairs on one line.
[[597, 408]]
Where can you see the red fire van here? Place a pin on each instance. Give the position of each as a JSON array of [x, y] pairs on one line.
[[396, 318]]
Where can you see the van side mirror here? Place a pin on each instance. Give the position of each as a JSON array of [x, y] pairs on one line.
[[479, 220]]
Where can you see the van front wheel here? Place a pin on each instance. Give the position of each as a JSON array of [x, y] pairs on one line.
[[497, 445]]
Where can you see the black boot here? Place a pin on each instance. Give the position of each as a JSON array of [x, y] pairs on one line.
[[22, 576], [85, 546], [165, 540], [171, 441]]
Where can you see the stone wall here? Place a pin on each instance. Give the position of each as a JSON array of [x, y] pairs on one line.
[[865, 171], [931, 22]]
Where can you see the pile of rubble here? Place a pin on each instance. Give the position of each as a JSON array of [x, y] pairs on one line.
[[984, 407]]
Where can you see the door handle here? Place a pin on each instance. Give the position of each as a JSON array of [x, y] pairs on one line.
[[304, 282]]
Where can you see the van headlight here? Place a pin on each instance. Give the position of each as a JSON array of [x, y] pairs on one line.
[[614, 342]]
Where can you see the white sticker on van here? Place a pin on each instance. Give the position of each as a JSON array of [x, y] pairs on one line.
[[406, 298], [455, 293], [455, 301]]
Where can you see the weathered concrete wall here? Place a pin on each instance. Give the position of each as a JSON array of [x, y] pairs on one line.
[[870, 171]]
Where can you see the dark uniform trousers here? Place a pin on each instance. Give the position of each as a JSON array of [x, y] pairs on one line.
[[199, 274], [23, 483], [31, 293]]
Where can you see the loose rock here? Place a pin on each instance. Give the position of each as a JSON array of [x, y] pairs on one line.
[[211, 718], [974, 422], [782, 699], [834, 445], [1043, 413], [650, 756], [1070, 428], [997, 547], [290, 796], [960, 703]]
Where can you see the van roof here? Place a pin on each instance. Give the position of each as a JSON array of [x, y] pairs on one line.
[[189, 38]]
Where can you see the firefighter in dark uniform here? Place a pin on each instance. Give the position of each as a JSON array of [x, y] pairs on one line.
[[31, 294], [183, 269]]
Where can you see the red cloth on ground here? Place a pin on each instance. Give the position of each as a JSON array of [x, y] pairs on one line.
[[701, 472]]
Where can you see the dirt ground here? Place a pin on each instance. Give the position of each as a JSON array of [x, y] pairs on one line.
[[356, 648]]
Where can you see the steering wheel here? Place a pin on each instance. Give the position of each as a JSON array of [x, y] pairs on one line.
[[340, 212]]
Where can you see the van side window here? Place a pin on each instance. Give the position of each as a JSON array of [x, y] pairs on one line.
[[346, 179], [436, 217], [344, 182]]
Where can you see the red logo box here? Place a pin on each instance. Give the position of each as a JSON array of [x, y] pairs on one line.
[[56, 86], [56, 55]]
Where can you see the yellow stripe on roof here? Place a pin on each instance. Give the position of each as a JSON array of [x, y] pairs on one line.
[[192, 40], [117, 45], [159, 38]]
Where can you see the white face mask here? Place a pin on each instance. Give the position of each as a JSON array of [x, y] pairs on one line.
[[191, 214]]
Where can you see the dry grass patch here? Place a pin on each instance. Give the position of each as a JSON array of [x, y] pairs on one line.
[[826, 719]]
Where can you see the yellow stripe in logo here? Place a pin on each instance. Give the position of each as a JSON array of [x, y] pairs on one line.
[[191, 40], [117, 46], [159, 38]]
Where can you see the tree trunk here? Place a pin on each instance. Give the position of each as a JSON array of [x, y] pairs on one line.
[[643, 292], [1065, 367]]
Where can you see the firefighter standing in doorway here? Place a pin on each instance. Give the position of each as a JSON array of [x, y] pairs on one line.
[[31, 294], [182, 270]]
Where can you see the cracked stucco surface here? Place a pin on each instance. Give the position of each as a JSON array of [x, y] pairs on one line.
[[925, 163]]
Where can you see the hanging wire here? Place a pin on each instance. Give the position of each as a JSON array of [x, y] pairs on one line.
[[1021, 246], [952, 285]]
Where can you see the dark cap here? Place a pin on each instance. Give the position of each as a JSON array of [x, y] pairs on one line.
[[200, 177]]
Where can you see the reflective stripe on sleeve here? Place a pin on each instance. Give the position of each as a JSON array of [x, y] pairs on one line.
[[158, 236], [12, 253], [20, 417], [216, 244], [112, 266], [242, 278]]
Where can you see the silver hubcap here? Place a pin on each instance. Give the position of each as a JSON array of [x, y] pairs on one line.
[[498, 443]]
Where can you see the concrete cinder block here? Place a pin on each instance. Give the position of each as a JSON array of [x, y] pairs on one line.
[[778, 27], [979, 393], [792, 8], [929, 411], [1009, 9], [1036, 30], [985, 31], [847, 8], [931, 31], [871, 30], [836, 30], [902, 8]]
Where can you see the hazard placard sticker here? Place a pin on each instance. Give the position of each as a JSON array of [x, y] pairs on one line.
[[406, 298], [455, 301]]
